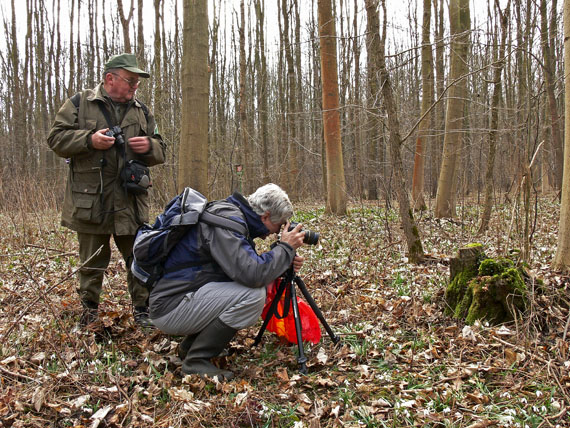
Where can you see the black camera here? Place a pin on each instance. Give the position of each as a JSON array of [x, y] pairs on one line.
[[117, 133], [310, 238]]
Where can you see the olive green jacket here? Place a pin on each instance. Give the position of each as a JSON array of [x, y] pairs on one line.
[[95, 199]]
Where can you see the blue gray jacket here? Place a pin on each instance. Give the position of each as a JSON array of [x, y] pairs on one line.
[[226, 256]]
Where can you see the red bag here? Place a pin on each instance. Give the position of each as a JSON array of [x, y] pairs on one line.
[[285, 327]]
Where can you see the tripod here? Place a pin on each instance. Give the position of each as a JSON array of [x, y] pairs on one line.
[[290, 279]]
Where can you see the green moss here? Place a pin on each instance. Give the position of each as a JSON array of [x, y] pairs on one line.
[[483, 306], [457, 288], [489, 267], [474, 245], [463, 306], [492, 290]]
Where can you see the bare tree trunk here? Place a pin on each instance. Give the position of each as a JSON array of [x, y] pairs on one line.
[[437, 145], [426, 123], [140, 35], [293, 164], [562, 258], [411, 232], [336, 202], [460, 23], [125, 22], [193, 151], [373, 114], [359, 173], [547, 55], [246, 158], [262, 88], [497, 91]]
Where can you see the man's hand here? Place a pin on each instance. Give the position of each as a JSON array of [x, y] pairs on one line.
[[293, 238], [100, 141], [140, 145], [298, 263]]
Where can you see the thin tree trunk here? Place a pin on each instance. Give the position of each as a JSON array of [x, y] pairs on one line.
[[125, 23], [373, 125], [422, 140], [245, 159], [556, 141], [262, 88], [193, 151], [562, 257], [411, 232], [336, 202], [460, 23], [497, 91], [293, 163]]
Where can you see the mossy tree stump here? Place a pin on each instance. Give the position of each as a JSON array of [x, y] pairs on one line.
[[484, 289]]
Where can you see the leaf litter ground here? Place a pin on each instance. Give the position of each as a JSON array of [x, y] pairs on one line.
[[400, 361]]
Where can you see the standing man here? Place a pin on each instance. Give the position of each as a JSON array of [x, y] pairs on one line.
[[98, 204]]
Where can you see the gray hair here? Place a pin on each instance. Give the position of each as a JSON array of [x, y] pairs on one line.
[[272, 198]]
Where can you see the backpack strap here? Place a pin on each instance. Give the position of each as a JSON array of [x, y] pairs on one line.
[[215, 220], [224, 222], [76, 99], [144, 109]]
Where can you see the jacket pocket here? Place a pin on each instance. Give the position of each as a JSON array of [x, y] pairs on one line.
[[87, 205]]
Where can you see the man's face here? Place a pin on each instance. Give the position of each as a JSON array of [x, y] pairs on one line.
[[273, 227], [121, 85]]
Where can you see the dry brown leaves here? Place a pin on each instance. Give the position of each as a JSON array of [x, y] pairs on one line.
[[400, 361]]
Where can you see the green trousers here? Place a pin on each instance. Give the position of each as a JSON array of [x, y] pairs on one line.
[[91, 274]]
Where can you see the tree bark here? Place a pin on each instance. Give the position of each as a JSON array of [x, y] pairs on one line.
[[373, 114], [262, 88], [423, 138], [125, 23], [411, 232], [497, 91], [193, 150], [561, 260], [547, 55], [336, 186], [460, 23]]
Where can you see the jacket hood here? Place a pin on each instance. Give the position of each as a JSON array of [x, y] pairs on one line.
[[253, 220]]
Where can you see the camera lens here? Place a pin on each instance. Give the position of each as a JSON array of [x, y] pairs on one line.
[[311, 238]]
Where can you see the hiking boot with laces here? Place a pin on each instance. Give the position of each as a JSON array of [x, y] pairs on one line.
[[89, 314], [141, 317]]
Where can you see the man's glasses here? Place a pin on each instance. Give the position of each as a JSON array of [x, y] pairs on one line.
[[132, 83]]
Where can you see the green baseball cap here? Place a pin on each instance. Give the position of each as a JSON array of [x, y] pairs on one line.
[[126, 61]]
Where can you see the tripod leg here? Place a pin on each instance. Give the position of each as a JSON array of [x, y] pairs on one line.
[[302, 360], [335, 339], [271, 312]]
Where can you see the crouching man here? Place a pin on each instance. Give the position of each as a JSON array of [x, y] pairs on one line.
[[214, 281]]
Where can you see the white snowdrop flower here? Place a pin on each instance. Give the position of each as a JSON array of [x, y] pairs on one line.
[[535, 409], [53, 356], [506, 395], [539, 394], [543, 409], [512, 412], [299, 424], [447, 410], [122, 359], [524, 400], [427, 412]]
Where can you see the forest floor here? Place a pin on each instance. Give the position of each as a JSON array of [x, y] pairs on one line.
[[400, 361]]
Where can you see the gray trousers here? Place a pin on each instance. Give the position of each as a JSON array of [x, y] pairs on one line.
[[236, 305]]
